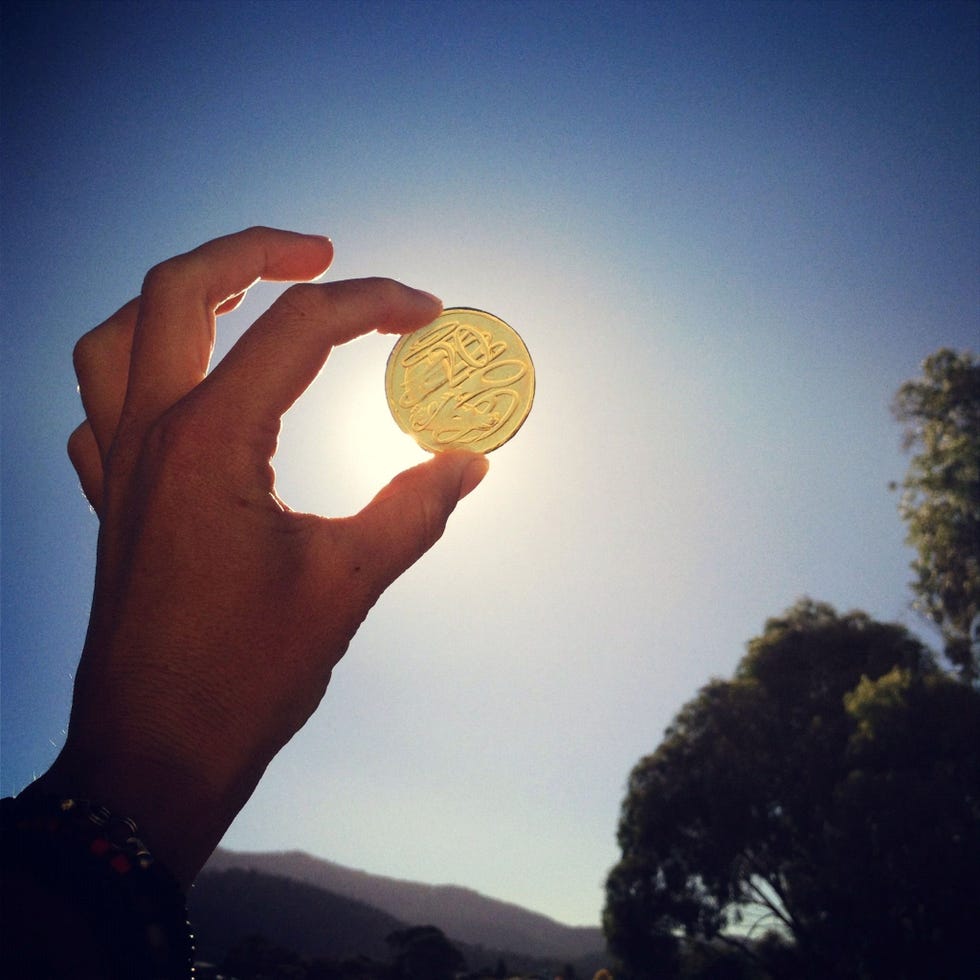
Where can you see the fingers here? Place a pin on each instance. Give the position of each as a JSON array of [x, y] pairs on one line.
[[409, 515], [174, 333], [101, 359], [283, 351], [83, 451]]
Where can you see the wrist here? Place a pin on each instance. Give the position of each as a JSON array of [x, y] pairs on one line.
[[84, 895], [181, 813]]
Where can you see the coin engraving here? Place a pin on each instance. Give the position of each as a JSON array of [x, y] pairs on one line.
[[466, 381]]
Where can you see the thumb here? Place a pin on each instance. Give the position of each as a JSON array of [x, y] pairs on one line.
[[409, 515]]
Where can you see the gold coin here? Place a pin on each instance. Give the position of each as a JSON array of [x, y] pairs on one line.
[[465, 381]]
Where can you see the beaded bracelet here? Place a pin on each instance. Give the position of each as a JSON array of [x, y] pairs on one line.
[[134, 907]]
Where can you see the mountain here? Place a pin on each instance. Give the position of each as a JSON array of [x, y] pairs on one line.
[[226, 907], [461, 913], [269, 919]]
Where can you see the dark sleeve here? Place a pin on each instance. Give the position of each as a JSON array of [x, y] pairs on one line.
[[82, 898]]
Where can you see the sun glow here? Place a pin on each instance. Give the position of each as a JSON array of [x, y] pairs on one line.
[[339, 443]]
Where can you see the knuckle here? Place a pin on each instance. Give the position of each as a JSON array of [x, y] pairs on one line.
[[384, 292], [176, 439], [258, 231], [422, 512], [303, 300], [78, 443], [162, 276], [432, 520], [85, 352]]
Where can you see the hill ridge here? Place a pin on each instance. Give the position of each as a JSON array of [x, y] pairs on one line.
[[462, 913]]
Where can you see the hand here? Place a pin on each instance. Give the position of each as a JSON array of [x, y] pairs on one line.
[[218, 612]]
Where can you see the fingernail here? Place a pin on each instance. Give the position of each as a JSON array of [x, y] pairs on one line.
[[432, 296], [472, 475]]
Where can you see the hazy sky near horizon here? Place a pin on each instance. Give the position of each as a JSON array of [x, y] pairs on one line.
[[727, 233]]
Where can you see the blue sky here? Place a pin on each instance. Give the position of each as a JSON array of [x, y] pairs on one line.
[[727, 233]]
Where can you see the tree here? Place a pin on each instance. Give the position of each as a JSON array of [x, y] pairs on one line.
[[827, 795], [940, 501], [424, 953], [256, 958]]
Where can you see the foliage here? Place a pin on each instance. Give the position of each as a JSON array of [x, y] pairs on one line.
[[940, 502], [424, 953], [255, 958], [420, 953], [828, 793]]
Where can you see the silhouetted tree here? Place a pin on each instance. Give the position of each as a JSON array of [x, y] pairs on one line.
[[829, 791], [359, 968], [940, 502], [255, 958], [424, 953], [714, 961]]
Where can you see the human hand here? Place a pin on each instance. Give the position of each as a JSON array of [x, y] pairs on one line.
[[218, 612]]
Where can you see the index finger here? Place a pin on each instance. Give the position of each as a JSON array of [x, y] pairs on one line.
[[276, 359], [174, 333]]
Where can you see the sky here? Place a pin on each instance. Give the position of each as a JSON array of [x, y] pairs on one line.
[[727, 233]]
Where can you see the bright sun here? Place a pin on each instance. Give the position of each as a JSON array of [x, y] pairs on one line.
[[339, 443]]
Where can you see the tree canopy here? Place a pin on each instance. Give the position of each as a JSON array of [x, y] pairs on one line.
[[827, 794], [940, 502], [424, 953]]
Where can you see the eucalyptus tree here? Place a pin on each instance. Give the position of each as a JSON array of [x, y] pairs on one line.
[[819, 813], [940, 502]]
